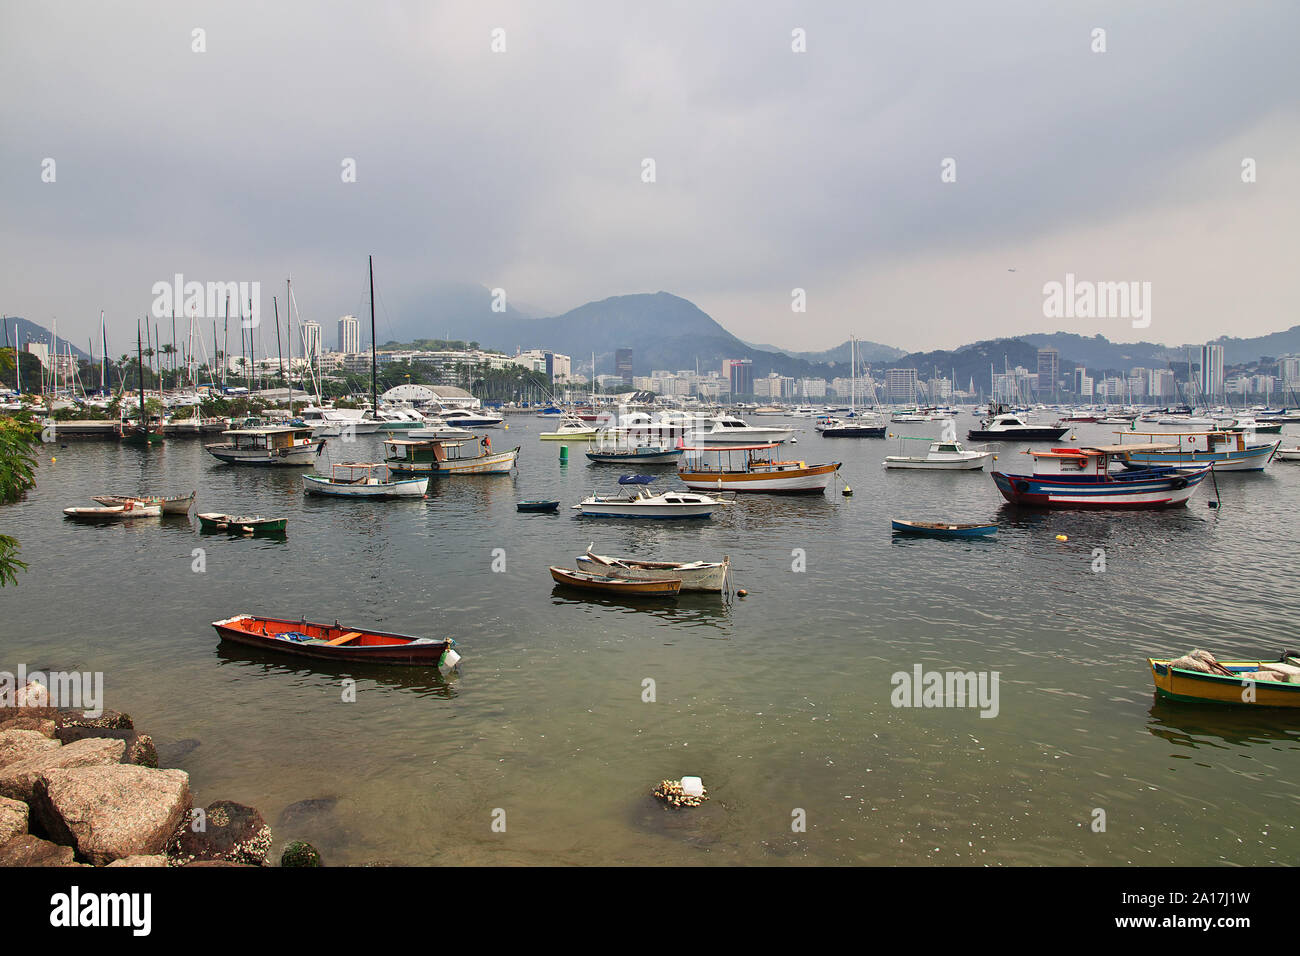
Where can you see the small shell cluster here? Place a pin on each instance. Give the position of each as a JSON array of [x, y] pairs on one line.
[[671, 792]]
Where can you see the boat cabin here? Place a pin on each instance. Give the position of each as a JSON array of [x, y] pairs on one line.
[[407, 451], [734, 460], [1088, 461], [267, 439], [1211, 441]]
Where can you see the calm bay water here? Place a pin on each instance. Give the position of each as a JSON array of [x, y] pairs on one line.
[[779, 701]]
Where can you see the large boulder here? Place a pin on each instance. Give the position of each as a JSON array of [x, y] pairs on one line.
[[111, 812], [139, 747], [28, 850], [43, 725], [31, 700], [13, 819], [17, 779], [231, 833], [16, 745]]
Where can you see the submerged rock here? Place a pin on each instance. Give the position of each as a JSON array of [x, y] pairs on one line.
[[232, 833], [299, 853], [111, 812], [315, 821], [18, 778], [172, 752]]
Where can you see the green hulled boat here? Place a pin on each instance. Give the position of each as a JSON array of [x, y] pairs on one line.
[[242, 524]]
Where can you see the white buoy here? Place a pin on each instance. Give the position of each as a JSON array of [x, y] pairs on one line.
[[693, 786]]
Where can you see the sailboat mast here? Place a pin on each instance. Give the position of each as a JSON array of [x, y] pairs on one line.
[[374, 399], [139, 361], [279, 349]]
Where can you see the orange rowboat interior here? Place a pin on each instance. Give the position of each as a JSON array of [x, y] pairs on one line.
[[331, 641]]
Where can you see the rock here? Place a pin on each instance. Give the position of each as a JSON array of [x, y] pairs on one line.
[[18, 778], [108, 720], [13, 819], [32, 701], [314, 821], [299, 853], [170, 754], [43, 726], [111, 812], [16, 745], [139, 747], [231, 833], [28, 850], [213, 863], [155, 860]]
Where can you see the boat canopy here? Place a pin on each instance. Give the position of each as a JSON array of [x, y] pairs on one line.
[[726, 448], [636, 479], [1094, 451]]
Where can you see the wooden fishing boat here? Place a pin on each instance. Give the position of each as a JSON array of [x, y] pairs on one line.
[[242, 524], [123, 512], [694, 575], [363, 480], [439, 458], [334, 642], [173, 505], [1081, 478], [1241, 685], [1225, 450], [942, 529], [287, 446], [742, 468], [634, 454], [538, 506], [620, 586]]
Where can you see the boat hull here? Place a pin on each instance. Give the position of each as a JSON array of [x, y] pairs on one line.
[[1194, 687], [403, 488], [664, 588], [368, 647], [260, 457], [497, 464], [1019, 434], [1169, 489], [240, 524], [1252, 459], [636, 459], [707, 577], [924, 464], [942, 530], [854, 431], [179, 505], [791, 481]]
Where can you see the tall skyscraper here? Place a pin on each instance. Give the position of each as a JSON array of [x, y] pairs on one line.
[[623, 365], [1211, 371], [349, 334], [741, 372], [1049, 369]]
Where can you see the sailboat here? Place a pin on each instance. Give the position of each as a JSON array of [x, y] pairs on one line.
[[141, 434], [857, 428]]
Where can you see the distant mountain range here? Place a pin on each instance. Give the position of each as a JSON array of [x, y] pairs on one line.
[[665, 331]]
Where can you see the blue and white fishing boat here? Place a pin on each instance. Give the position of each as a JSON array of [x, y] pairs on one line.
[[1225, 450], [1081, 478]]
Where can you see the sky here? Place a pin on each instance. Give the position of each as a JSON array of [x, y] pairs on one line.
[[775, 169]]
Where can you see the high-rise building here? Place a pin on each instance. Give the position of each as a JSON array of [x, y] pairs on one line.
[[1049, 369], [349, 334], [1289, 370], [900, 384], [741, 372], [623, 364], [311, 340], [1211, 371], [1160, 383]]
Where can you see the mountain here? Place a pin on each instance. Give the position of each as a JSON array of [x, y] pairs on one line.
[[664, 331], [1237, 351], [869, 353], [18, 328], [1098, 352]]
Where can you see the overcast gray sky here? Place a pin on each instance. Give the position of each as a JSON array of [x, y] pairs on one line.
[[774, 169]]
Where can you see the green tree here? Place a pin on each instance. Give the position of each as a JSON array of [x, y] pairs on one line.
[[17, 476]]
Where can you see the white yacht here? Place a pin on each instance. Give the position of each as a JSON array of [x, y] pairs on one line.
[[728, 429]]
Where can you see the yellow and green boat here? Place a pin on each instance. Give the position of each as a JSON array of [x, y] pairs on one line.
[[1240, 686]]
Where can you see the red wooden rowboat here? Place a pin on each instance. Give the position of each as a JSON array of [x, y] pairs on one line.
[[334, 642]]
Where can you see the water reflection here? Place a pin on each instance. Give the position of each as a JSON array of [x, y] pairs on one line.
[[1197, 726], [694, 609], [420, 681]]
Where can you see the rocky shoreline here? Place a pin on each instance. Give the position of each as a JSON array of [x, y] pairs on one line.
[[82, 791]]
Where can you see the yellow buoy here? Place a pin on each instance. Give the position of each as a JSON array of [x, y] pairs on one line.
[[742, 593], [1061, 537], [847, 491]]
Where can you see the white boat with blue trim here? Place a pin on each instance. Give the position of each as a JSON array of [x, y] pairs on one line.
[[1225, 450]]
